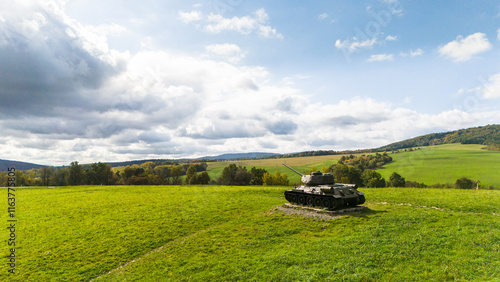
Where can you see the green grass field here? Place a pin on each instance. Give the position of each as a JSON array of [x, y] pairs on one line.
[[301, 164], [430, 165], [446, 163], [201, 233]]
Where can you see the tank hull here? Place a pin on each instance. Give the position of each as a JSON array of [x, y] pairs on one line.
[[332, 197]]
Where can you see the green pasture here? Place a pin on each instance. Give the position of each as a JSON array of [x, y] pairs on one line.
[[301, 164], [220, 233], [431, 165], [445, 164]]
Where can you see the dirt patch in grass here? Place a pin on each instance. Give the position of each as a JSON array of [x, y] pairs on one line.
[[317, 213]]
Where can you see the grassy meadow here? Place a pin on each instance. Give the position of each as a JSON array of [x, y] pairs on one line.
[[219, 233], [431, 165], [301, 164], [446, 163]]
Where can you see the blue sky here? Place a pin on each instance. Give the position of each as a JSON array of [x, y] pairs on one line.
[[91, 80]]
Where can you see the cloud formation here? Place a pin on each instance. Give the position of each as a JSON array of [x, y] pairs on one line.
[[66, 95], [464, 49], [381, 58], [355, 44], [257, 23], [491, 89], [231, 52]]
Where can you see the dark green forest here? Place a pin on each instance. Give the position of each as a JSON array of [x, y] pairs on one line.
[[488, 135]]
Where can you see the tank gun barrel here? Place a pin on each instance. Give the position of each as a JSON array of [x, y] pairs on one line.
[[293, 170]]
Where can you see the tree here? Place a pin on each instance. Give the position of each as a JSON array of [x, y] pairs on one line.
[[3, 179], [99, 174], [235, 175], [346, 174], [46, 174], [60, 177], [75, 174], [20, 178], [128, 172], [191, 175], [257, 176], [163, 172], [278, 178], [176, 172], [203, 178], [243, 176], [395, 180], [372, 179]]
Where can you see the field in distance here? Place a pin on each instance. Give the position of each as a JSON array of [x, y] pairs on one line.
[[447, 163], [430, 165], [302, 164], [220, 233]]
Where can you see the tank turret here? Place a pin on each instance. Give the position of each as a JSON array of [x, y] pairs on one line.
[[320, 190], [315, 178]]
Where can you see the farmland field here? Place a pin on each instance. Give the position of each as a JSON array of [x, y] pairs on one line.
[[271, 165], [447, 163], [200, 233], [430, 165]]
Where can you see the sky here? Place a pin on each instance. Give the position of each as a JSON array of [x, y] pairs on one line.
[[93, 80]]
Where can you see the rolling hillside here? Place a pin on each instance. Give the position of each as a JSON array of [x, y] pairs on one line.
[[4, 164], [484, 135], [444, 164]]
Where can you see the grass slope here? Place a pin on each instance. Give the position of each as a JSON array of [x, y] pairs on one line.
[[430, 165], [445, 164], [196, 233], [301, 164], [483, 135]]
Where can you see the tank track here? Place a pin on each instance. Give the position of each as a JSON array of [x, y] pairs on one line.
[[325, 201]]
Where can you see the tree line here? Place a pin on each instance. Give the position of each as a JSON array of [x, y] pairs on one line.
[[148, 173], [349, 169]]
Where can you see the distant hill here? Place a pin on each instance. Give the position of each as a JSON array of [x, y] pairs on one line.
[[237, 156], [4, 164], [488, 135], [240, 156]]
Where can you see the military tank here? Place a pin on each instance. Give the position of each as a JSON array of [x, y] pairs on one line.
[[320, 190]]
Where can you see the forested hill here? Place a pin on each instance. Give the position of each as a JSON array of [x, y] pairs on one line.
[[5, 164], [484, 135]]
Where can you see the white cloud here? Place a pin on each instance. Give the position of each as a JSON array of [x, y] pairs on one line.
[[381, 58], [418, 52], [188, 17], [244, 25], [491, 90], [112, 106], [230, 51], [498, 34], [323, 16], [391, 38], [108, 29], [464, 49], [355, 44], [412, 53]]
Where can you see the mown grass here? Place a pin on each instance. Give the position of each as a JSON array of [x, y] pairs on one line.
[[200, 233]]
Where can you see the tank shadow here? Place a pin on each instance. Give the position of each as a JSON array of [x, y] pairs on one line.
[[366, 213]]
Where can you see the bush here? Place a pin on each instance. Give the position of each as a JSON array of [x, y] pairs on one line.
[[414, 184], [395, 180], [464, 183]]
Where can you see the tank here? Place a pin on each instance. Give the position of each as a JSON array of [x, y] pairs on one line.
[[320, 190]]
